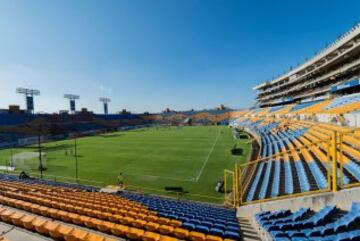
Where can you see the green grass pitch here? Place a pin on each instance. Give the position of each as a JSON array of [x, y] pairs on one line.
[[191, 157]]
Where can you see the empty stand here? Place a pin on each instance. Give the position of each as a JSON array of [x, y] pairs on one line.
[[296, 156], [330, 223], [127, 215]]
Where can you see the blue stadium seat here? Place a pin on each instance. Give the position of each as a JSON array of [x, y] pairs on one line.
[[327, 224], [318, 175], [202, 218], [304, 182]]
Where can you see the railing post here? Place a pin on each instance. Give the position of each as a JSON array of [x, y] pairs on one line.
[[341, 160], [240, 186], [225, 187], [328, 164], [234, 188], [334, 167], [235, 184]]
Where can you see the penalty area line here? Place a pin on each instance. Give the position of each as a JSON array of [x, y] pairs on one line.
[[160, 177]]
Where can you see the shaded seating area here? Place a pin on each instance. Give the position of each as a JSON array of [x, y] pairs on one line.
[[329, 223]]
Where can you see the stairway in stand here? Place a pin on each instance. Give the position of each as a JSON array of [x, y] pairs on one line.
[[248, 233]]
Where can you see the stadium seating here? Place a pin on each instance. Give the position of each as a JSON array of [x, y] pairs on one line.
[[336, 105], [194, 217], [127, 215], [303, 167], [48, 227], [330, 223], [50, 183], [304, 105], [313, 109], [344, 104]]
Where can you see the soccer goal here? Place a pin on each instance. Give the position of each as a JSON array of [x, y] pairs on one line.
[[27, 161]]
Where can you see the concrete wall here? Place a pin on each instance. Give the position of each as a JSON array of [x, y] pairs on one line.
[[343, 199]]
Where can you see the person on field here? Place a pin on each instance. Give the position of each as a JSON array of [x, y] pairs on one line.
[[120, 179]]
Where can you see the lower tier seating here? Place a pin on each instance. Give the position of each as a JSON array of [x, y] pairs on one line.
[[201, 218], [55, 230], [126, 215], [330, 223]]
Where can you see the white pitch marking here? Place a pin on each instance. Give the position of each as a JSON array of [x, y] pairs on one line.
[[208, 156], [160, 177]]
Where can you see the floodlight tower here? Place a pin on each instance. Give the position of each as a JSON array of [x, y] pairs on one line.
[[105, 102], [72, 99], [29, 97]]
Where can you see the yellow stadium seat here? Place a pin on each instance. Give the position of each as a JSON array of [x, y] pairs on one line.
[[115, 217], [166, 229], [132, 214], [127, 220], [167, 238], [53, 213], [76, 235], [59, 231], [138, 223], [83, 219], [6, 215], [75, 218], [119, 230], [54, 204], [39, 225], [213, 238], [151, 218], [135, 233], [150, 236], [64, 216], [181, 233], [97, 213], [105, 226], [27, 206], [51, 227], [35, 208], [43, 210], [152, 226], [27, 222], [18, 204], [175, 223], [196, 236], [16, 218], [110, 239], [163, 220], [94, 237], [92, 223], [70, 208]]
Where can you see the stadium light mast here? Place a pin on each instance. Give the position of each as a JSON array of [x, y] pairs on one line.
[[29, 97], [72, 99], [105, 102]]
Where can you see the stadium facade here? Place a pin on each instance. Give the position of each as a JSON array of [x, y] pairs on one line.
[[331, 71]]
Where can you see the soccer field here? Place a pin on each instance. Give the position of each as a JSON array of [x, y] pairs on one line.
[[191, 157]]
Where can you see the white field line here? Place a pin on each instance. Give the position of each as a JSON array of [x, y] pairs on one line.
[[161, 177], [208, 156]]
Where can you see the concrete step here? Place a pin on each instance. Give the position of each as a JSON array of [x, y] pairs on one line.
[[247, 231]]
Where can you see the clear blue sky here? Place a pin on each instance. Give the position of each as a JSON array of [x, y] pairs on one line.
[[148, 55]]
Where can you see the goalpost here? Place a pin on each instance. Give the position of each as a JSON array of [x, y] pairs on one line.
[[26, 161]]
